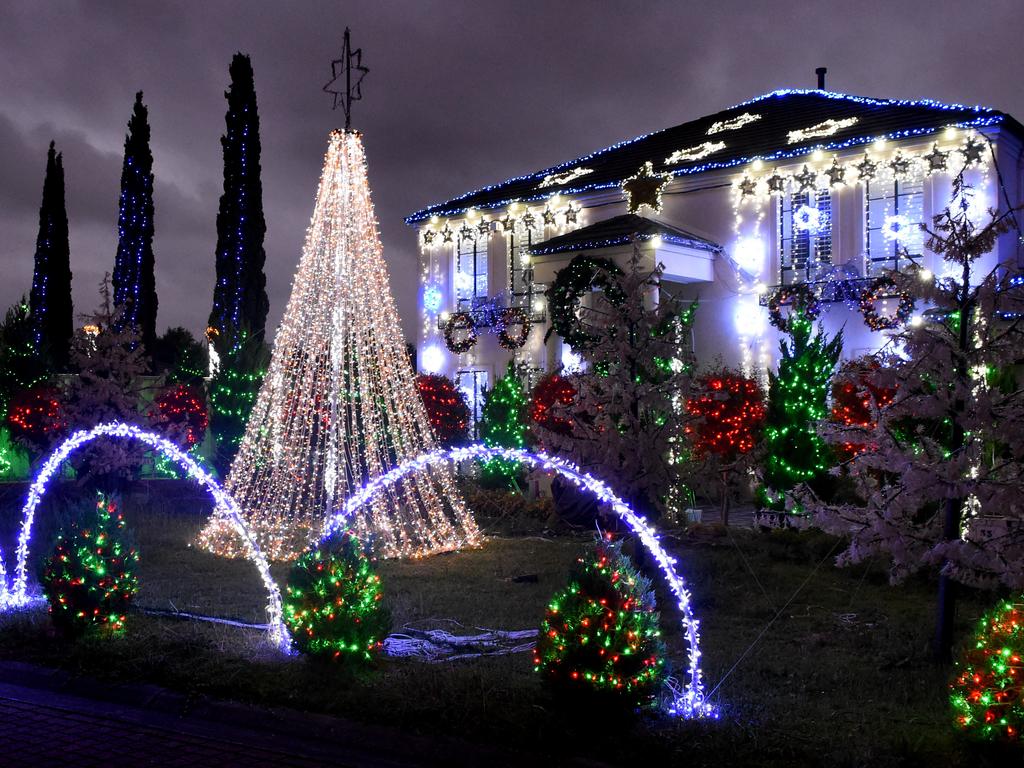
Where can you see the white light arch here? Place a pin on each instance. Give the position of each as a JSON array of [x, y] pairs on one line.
[[690, 702], [16, 594]]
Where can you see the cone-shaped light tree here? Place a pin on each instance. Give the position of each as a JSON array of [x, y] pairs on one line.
[[133, 279], [50, 300], [339, 404]]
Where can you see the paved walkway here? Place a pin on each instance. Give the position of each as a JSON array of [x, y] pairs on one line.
[[48, 718]]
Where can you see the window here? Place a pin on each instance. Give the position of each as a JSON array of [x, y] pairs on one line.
[[470, 270], [520, 266], [805, 235], [472, 383], [893, 211]]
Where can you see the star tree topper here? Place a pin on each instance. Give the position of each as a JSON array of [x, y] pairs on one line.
[[644, 189], [344, 67]]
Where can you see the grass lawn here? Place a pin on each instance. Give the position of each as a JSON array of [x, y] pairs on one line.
[[841, 678]]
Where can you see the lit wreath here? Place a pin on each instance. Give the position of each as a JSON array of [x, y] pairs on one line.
[[881, 288], [800, 296], [460, 321], [580, 276], [513, 316]]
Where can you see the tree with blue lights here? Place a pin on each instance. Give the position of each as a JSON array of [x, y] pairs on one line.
[[50, 301], [240, 293], [133, 279]]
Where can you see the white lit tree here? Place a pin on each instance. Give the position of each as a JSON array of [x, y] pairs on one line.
[[627, 418], [339, 404], [109, 364], [938, 474]]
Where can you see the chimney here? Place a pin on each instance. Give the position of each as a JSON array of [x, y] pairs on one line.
[[820, 72]]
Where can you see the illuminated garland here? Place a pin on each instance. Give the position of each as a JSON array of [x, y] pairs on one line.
[[513, 316], [802, 299], [689, 702], [458, 322], [881, 288], [797, 401], [988, 690], [600, 635], [333, 602], [580, 276], [446, 409], [88, 579], [16, 594]]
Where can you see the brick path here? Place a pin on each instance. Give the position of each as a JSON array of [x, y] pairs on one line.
[[40, 729]]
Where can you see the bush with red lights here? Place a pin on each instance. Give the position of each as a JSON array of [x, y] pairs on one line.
[[728, 411], [181, 409], [856, 398], [36, 416], [446, 409], [549, 401]]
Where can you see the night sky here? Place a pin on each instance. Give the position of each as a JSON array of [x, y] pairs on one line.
[[460, 94]]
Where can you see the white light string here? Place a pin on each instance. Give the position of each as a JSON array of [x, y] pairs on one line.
[[16, 595], [692, 702]]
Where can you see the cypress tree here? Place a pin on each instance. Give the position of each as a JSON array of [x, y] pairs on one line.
[[133, 279], [240, 293], [50, 299]]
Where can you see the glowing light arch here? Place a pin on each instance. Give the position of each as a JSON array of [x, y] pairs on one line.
[[16, 594], [690, 702]]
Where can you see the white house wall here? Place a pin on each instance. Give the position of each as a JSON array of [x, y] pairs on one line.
[[730, 327]]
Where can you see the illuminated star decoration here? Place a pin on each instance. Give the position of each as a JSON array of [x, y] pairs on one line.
[[446, 234], [900, 165], [644, 189], [747, 186], [508, 223], [465, 233], [349, 63], [428, 236], [571, 214], [776, 182], [484, 227], [807, 179], [866, 168], [529, 220], [972, 150], [937, 159], [549, 217], [836, 173]]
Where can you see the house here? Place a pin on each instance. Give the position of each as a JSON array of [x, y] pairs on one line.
[[795, 187]]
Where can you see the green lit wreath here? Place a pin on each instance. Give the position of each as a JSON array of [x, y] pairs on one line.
[[513, 316], [879, 289], [800, 296], [460, 321], [580, 276]]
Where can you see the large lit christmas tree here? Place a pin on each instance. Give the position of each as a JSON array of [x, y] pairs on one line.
[[339, 404]]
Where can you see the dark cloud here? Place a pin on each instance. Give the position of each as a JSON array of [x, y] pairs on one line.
[[460, 94]]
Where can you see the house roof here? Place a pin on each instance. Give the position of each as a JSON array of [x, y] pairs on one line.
[[775, 126], [617, 231]]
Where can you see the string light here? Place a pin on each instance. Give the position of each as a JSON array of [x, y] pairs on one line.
[[690, 701], [339, 402], [16, 595]]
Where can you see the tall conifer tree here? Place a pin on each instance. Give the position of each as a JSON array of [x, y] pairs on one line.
[[240, 302], [50, 300], [133, 279]]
